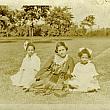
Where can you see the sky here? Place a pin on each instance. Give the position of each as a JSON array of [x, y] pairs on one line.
[[79, 8]]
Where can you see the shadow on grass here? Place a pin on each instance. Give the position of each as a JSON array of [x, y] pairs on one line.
[[7, 41], [47, 41]]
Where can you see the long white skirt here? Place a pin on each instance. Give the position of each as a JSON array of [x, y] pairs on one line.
[[24, 78], [85, 85]]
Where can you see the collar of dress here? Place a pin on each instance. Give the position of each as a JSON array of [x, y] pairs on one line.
[[89, 61], [27, 56], [58, 60]]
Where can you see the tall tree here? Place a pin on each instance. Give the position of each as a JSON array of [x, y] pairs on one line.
[[89, 21], [59, 19]]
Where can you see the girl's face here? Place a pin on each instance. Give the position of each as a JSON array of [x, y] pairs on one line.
[[30, 50], [84, 58], [62, 51]]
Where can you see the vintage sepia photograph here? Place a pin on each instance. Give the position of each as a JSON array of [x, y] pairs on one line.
[[54, 54]]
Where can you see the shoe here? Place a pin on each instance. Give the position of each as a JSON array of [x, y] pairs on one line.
[[94, 90], [26, 89]]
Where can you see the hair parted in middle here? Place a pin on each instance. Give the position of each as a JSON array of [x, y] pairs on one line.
[[30, 44], [60, 44]]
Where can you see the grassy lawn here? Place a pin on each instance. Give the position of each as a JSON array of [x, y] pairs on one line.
[[12, 53]]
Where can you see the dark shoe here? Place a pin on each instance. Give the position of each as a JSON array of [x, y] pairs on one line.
[[26, 89], [38, 79], [94, 90]]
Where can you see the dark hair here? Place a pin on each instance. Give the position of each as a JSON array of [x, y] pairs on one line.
[[84, 51], [60, 44], [30, 44]]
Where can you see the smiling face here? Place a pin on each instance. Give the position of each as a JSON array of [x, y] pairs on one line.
[[62, 51], [30, 50], [84, 58]]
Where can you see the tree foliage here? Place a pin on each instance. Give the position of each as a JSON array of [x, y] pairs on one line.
[[46, 21], [88, 21], [59, 20]]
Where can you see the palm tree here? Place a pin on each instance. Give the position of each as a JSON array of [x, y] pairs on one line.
[[88, 22]]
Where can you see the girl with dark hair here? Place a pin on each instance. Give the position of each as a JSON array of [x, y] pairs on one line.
[[29, 68], [56, 71], [84, 74]]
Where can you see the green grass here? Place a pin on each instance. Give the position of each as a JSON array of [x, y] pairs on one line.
[[12, 53]]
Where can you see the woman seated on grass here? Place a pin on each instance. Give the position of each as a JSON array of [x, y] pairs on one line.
[[84, 74], [56, 71], [29, 68]]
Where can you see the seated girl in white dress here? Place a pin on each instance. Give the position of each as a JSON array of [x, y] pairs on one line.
[[84, 74], [28, 70]]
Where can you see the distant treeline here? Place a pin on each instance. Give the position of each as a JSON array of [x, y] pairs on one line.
[[46, 21]]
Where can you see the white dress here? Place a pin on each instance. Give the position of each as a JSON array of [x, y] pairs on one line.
[[26, 75], [84, 79]]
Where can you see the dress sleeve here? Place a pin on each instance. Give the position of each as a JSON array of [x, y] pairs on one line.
[[45, 67], [36, 63], [93, 70], [23, 65], [76, 70]]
